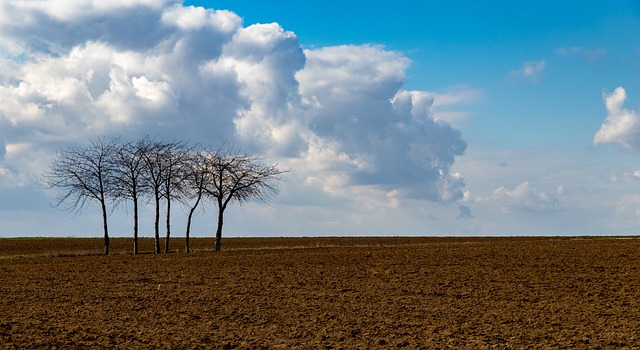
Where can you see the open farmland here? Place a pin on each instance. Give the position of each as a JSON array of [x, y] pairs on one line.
[[309, 293]]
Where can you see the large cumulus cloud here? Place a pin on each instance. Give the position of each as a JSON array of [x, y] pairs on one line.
[[94, 82], [378, 133], [338, 115]]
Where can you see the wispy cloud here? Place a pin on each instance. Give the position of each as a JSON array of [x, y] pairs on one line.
[[526, 198], [626, 177], [530, 70], [589, 54]]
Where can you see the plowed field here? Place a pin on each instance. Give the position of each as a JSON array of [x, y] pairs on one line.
[[323, 293]]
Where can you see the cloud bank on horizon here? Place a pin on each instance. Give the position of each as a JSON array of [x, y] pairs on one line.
[[338, 116]]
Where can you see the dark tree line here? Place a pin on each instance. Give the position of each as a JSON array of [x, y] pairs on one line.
[[112, 172]]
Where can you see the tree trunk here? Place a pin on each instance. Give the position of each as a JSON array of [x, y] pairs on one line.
[[166, 241], [157, 224], [219, 230], [106, 229], [186, 236], [135, 224], [193, 209]]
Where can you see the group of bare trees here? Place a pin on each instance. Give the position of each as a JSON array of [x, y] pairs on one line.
[[112, 172]]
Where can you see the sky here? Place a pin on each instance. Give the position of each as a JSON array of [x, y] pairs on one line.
[[457, 118]]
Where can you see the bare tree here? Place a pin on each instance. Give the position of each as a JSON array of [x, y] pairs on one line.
[[83, 174], [173, 185], [238, 178], [128, 184], [152, 152], [197, 175], [162, 174]]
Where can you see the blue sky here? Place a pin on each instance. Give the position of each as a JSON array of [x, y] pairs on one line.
[[406, 117]]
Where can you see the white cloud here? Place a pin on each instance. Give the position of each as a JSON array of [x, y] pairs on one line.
[[43, 27], [525, 198], [530, 70], [621, 126], [389, 135], [22, 164], [64, 11], [350, 71], [192, 18], [265, 59], [445, 105]]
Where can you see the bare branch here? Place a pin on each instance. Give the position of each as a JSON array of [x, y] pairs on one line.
[[83, 175], [240, 178]]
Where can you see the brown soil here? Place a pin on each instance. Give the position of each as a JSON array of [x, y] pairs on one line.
[[331, 293]]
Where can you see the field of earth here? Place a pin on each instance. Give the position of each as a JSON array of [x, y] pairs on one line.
[[322, 293]]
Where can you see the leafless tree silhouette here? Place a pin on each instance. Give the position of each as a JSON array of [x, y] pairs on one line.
[[173, 184], [128, 184], [238, 178], [83, 174], [197, 176], [158, 170]]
